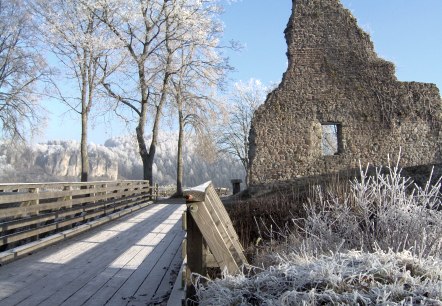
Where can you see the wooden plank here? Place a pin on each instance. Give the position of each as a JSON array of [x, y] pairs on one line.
[[5, 226], [184, 248], [220, 222], [85, 267], [224, 215], [59, 185], [220, 248], [194, 246], [151, 284], [211, 261], [155, 210], [42, 195], [178, 294], [53, 282], [112, 278], [57, 204], [21, 197], [23, 210], [171, 262], [27, 234], [10, 225], [167, 231], [184, 222], [217, 229], [103, 288], [20, 251], [220, 216], [60, 203]]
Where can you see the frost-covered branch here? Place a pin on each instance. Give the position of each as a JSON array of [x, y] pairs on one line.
[[22, 72], [233, 135]]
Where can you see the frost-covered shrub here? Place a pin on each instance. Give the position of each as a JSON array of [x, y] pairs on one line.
[[385, 211], [384, 234], [351, 278]]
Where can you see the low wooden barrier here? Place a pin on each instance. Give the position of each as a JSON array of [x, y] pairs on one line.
[[31, 211], [211, 239], [222, 191]]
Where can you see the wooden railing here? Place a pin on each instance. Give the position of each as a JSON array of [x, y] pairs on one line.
[[211, 239], [32, 211]]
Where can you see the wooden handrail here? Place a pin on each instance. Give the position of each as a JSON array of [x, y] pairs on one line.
[[211, 239], [29, 210]]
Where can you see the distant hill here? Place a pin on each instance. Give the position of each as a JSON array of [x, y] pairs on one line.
[[118, 158]]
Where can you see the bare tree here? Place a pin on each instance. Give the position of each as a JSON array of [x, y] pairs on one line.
[[83, 45], [152, 32], [22, 69], [198, 70], [195, 112], [233, 135], [145, 29]]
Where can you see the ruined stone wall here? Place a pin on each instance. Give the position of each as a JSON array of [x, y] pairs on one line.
[[335, 76]]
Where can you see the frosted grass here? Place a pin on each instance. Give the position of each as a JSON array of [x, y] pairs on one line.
[[380, 243], [351, 278]]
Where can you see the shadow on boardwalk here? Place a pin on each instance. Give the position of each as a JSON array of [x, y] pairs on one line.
[[130, 261]]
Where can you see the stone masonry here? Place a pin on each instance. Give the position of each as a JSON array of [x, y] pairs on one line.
[[335, 77]]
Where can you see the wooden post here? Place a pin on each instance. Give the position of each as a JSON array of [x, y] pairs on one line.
[[141, 189], [156, 191], [105, 198], [195, 248], [213, 222], [104, 192], [36, 201], [117, 191], [31, 203], [127, 185], [68, 189], [150, 190], [92, 194]]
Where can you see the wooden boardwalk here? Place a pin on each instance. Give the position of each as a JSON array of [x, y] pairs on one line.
[[130, 261]]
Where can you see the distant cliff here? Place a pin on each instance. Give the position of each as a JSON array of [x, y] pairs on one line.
[[116, 159]]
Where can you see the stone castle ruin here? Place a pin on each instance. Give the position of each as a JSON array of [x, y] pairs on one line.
[[339, 104]]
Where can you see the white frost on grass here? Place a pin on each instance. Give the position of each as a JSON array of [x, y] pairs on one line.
[[395, 226], [351, 278]]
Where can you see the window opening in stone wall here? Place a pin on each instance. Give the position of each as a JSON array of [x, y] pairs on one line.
[[331, 139]]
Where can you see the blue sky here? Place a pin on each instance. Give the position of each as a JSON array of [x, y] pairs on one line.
[[406, 32]]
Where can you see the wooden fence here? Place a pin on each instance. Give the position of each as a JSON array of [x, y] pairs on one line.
[[211, 239], [32, 211]]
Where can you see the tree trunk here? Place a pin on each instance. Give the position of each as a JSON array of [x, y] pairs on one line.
[[148, 162], [83, 148], [179, 173], [84, 121], [146, 159]]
